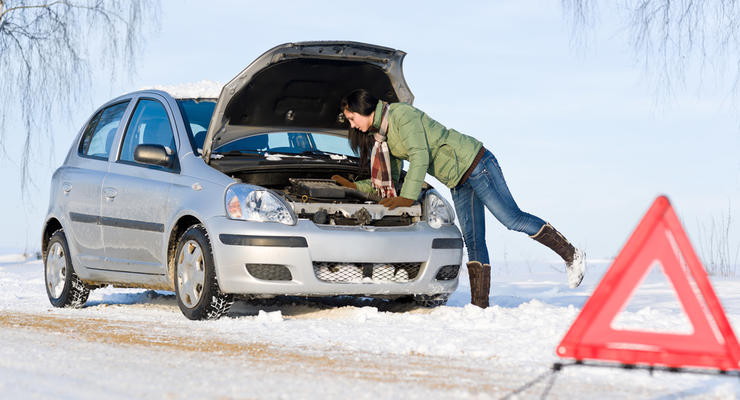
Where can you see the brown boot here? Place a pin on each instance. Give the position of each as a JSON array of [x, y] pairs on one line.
[[575, 260], [480, 283], [553, 239]]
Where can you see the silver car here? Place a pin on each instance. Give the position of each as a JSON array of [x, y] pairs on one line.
[[230, 197]]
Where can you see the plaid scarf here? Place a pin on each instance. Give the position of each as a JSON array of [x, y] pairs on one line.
[[380, 160]]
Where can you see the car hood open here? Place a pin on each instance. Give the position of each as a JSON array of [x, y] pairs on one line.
[[298, 86]]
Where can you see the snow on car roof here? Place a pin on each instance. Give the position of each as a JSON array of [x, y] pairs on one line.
[[192, 90]]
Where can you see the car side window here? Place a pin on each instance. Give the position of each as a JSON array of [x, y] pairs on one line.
[[99, 134], [149, 125]]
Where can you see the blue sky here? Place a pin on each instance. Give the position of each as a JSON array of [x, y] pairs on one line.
[[583, 141]]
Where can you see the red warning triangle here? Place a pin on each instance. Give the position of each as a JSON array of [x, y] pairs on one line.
[[658, 238]]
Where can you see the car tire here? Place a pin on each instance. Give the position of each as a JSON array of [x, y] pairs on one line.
[[196, 285], [63, 286], [431, 301]]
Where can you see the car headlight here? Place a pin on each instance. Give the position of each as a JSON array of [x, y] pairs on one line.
[[251, 203], [437, 210]]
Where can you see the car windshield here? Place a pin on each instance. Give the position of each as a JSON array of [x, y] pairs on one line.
[[289, 143], [196, 114]]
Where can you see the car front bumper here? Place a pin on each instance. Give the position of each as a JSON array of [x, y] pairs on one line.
[[299, 248]]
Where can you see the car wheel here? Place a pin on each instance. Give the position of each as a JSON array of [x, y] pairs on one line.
[[63, 286], [196, 285], [431, 301]]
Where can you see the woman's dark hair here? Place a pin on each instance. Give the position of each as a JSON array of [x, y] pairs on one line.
[[363, 103]]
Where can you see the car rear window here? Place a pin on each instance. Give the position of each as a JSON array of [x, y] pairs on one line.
[[101, 130]]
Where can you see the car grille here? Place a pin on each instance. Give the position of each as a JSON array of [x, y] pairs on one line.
[[447, 273], [270, 272], [365, 272]]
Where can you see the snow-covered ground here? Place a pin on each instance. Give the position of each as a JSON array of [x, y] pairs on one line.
[[131, 343]]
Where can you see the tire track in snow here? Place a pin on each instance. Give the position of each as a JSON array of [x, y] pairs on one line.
[[440, 373]]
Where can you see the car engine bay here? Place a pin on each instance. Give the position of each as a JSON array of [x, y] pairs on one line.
[[327, 203]]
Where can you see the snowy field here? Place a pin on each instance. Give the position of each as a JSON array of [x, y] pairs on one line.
[[136, 344]]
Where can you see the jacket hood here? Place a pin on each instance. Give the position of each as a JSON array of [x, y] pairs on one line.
[[298, 86]]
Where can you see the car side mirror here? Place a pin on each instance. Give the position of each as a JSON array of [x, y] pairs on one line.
[[154, 154]]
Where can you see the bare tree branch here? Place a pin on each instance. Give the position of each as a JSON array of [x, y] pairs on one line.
[[31, 6], [672, 37], [582, 14], [45, 53]]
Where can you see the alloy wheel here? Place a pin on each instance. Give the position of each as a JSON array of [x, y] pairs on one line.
[[191, 273], [56, 270]]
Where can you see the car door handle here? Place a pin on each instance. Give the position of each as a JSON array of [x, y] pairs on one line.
[[109, 193], [66, 187]]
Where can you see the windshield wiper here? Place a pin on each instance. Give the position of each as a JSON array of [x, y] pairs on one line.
[[239, 152], [326, 154], [314, 153]]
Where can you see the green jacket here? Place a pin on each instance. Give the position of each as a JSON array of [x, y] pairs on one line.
[[428, 146]]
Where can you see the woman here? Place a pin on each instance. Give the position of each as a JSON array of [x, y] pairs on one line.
[[458, 161]]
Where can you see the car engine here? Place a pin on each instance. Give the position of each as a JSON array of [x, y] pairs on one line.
[[325, 190], [327, 203]]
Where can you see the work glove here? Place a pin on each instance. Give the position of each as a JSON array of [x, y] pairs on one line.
[[393, 202], [343, 181]]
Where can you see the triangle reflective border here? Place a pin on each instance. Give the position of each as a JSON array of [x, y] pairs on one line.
[[658, 238]]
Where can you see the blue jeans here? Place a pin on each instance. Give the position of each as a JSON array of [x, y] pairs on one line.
[[486, 186]]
